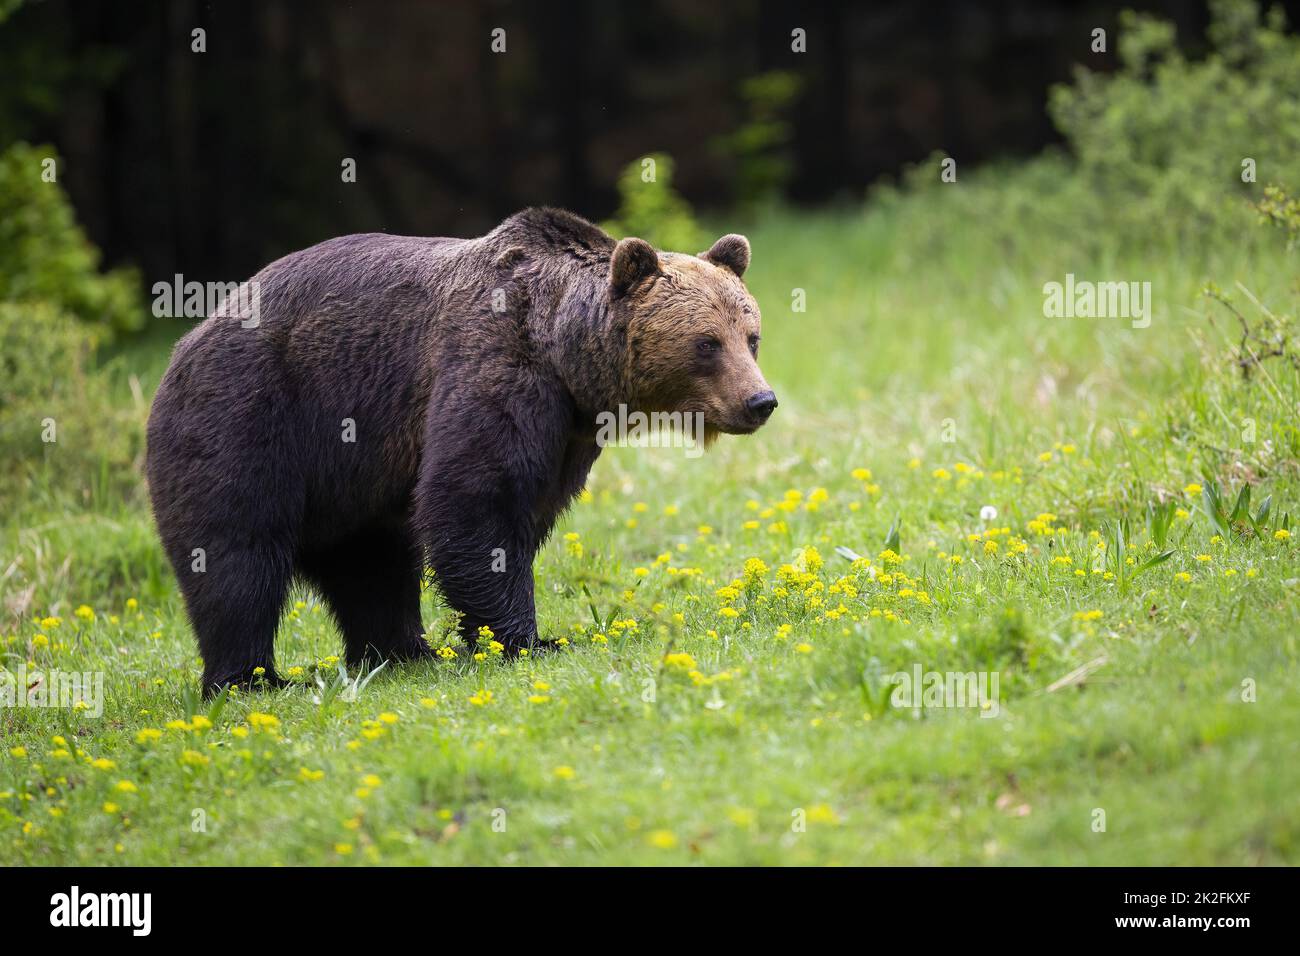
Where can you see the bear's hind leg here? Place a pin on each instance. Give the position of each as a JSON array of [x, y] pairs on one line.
[[234, 605], [371, 582]]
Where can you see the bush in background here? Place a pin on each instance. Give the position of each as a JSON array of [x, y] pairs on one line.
[[652, 210], [56, 310], [53, 389], [758, 151], [1162, 141], [1153, 161], [45, 257]]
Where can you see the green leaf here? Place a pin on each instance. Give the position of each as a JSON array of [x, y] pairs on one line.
[[363, 681], [219, 705], [189, 701], [893, 541], [1241, 510], [1159, 517], [591, 605], [1213, 508], [1261, 516], [1160, 558]]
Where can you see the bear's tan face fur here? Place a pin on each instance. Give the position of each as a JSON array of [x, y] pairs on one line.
[[693, 331]]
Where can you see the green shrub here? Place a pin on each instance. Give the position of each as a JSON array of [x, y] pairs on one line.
[[1279, 209], [758, 151], [652, 210], [45, 257], [1152, 164], [1161, 142], [64, 436]]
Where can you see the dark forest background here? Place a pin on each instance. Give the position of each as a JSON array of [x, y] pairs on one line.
[[212, 164]]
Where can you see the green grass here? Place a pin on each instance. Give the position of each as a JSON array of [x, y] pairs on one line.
[[922, 324]]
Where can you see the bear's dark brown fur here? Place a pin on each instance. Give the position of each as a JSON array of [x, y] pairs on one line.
[[470, 374]]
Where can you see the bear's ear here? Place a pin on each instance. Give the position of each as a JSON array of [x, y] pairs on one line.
[[633, 260], [730, 252]]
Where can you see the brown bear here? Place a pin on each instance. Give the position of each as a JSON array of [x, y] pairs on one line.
[[398, 401]]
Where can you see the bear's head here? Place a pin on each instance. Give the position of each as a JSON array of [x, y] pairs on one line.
[[692, 332]]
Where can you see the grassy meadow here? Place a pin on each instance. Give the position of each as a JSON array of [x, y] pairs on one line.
[[952, 481], [713, 586]]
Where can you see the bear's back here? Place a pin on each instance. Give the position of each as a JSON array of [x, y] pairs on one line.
[[332, 375]]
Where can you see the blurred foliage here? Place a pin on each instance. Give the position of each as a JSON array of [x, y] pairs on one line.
[[1161, 142], [44, 256], [53, 389], [651, 209], [1267, 333], [758, 151], [1282, 211], [41, 75], [1153, 161], [56, 309]]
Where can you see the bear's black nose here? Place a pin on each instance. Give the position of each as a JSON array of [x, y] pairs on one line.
[[761, 405]]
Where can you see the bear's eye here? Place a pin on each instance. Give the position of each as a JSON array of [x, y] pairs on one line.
[[753, 345], [708, 346]]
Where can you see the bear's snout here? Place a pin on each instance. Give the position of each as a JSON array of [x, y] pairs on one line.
[[760, 406]]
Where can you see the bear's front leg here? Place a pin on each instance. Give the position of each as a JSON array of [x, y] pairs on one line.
[[486, 574], [493, 476]]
